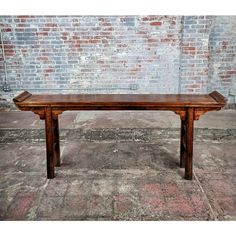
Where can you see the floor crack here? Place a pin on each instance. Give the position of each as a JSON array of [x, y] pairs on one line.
[[205, 196]]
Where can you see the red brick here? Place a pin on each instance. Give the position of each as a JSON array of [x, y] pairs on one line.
[[42, 33], [231, 72], [156, 23], [49, 70], [150, 40], [77, 45], [7, 30], [9, 50], [223, 77], [189, 48], [24, 16]]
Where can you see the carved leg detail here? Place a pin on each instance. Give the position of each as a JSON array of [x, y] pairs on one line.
[[183, 140], [56, 140], [49, 142], [189, 144]]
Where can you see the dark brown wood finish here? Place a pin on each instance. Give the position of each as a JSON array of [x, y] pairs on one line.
[[49, 142], [188, 107], [189, 144], [182, 143], [56, 139]]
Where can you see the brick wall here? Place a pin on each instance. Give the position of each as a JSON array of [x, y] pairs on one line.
[[118, 54], [195, 54], [222, 56]]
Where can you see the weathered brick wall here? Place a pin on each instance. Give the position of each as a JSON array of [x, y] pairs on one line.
[[118, 54], [222, 56], [195, 54]]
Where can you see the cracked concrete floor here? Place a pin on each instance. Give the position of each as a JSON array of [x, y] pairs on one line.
[[117, 166]]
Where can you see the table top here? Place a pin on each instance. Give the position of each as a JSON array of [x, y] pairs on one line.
[[38, 100]]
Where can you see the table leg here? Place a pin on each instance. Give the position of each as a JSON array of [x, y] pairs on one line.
[[49, 142], [189, 144], [56, 140], [183, 143]]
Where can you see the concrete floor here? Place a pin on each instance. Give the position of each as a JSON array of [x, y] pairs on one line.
[[117, 166]]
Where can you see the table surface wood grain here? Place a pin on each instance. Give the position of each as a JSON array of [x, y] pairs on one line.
[[202, 100]]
